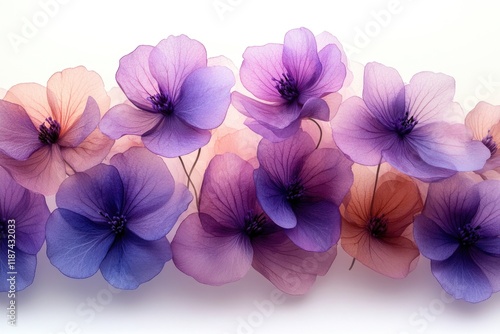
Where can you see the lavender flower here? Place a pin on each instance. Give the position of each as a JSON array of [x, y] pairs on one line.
[[459, 231], [401, 124], [232, 233], [301, 189], [23, 215], [177, 99], [115, 218]]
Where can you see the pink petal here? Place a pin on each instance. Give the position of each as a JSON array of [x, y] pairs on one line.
[[33, 98], [173, 59], [82, 127], [127, 120]]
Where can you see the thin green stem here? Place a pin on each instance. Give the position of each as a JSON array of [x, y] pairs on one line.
[[190, 182], [352, 264], [320, 131]]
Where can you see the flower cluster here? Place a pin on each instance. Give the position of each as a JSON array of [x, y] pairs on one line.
[[267, 167]]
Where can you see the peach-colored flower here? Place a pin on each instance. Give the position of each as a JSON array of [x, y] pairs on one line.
[[53, 130], [377, 226], [484, 121]]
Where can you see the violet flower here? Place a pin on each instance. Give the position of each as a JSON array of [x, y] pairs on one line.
[[459, 232], [23, 215], [231, 233], [301, 189], [289, 81], [115, 218], [177, 99], [401, 124]]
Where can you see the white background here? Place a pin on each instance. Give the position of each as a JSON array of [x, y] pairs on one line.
[[454, 37]]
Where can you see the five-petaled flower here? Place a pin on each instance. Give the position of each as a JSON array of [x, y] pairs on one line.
[[231, 233], [459, 231], [115, 218], [176, 98], [402, 125], [23, 215], [289, 81], [301, 188], [376, 224], [53, 131]]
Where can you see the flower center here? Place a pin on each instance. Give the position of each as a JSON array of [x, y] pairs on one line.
[[404, 125], [117, 222], [254, 224], [468, 235], [294, 191], [162, 103], [3, 229], [377, 227], [287, 87], [490, 143], [49, 135]]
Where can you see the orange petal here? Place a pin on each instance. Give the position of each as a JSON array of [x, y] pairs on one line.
[[33, 98], [482, 118]]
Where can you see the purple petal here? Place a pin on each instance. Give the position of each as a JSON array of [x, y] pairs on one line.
[[25, 269], [205, 97], [126, 120], [326, 175], [262, 64], [90, 193], [448, 146], [383, 92], [462, 278], [290, 268], [172, 138], [429, 95], [228, 191], [20, 139], [488, 210], [332, 75], [132, 261], [273, 134], [149, 202], [359, 134], [487, 257], [83, 127], [173, 59], [451, 202], [318, 226], [432, 241], [210, 259], [300, 57], [135, 78], [276, 115], [75, 244], [315, 108]]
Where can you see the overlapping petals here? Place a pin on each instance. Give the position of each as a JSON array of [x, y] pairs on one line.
[[115, 218], [289, 80], [23, 215], [53, 131], [401, 124], [459, 231], [231, 233], [176, 98]]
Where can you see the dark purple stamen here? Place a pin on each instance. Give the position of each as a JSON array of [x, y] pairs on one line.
[[117, 222], [294, 191], [468, 235], [490, 143], [404, 125], [287, 87], [49, 135], [377, 227], [162, 103], [3, 229], [254, 224]]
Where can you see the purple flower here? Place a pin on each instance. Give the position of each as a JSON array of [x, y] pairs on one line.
[[459, 232], [289, 80], [115, 218], [401, 124], [232, 233], [301, 189], [177, 98], [23, 215]]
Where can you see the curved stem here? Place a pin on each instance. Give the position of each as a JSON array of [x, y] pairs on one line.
[[320, 131], [194, 163], [375, 188], [352, 264], [190, 182]]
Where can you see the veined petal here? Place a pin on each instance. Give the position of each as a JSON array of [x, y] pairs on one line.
[[20, 138], [482, 118], [25, 268], [135, 78], [488, 210], [132, 261], [205, 97], [126, 120], [76, 245], [172, 138], [33, 98], [300, 57], [271, 133], [80, 128], [210, 259], [316, 108], [433, 242]]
